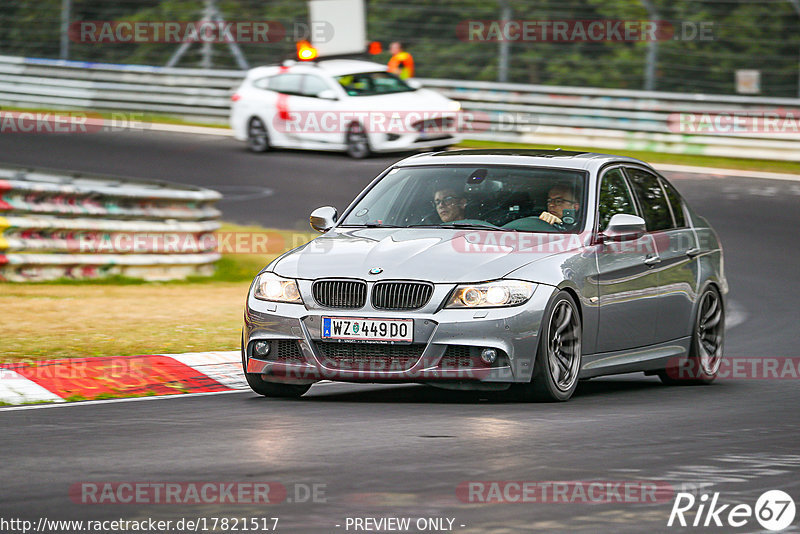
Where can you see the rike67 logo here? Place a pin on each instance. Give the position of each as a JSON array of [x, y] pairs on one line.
[[774, 510]]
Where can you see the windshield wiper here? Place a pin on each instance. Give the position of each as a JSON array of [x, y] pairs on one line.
[[378, 225], [473, 226]]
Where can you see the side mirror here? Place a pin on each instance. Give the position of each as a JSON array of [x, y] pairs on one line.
[[327, 94], [624, 227], [414, 84], [322, 219]]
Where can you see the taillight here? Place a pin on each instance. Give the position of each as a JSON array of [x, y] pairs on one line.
[[236, 97]]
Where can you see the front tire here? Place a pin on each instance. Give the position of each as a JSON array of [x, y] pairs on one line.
[[708, 339], [559, 356], [357, 142], [271, 389]]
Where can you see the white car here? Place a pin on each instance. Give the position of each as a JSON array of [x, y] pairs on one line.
[[340, 105]]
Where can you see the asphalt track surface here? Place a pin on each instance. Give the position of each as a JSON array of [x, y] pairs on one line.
[[401, 451]]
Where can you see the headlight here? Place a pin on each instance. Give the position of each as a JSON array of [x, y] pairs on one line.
[[454, 106], [270, 286], [491, 294]]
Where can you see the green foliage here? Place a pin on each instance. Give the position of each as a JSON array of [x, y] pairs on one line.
[[746, 34]]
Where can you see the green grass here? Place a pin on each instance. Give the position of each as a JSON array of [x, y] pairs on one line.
[[123, 316], [660, 157]]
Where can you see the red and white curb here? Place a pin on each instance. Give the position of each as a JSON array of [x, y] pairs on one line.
[[123, 376]]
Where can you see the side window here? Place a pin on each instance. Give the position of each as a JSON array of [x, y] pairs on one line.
[[262, 83], [313, 85], [651, 199], [286, 83], [614, 197], [676, 203]]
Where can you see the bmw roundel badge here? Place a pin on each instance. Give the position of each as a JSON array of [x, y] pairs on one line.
[[375, 270]]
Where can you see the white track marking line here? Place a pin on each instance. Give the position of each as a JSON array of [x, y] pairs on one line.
[[63, 404]]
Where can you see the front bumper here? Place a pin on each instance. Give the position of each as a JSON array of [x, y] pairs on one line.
[[380, 142], [438, 335]]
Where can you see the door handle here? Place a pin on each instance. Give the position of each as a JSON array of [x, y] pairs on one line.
[[692, 252], [652, 260]]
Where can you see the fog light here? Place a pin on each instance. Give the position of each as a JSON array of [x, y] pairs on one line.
[[261, 348], [488, 356]]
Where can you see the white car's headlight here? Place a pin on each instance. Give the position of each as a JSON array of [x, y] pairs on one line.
[[454, 106], [270, 286], [491, 294]]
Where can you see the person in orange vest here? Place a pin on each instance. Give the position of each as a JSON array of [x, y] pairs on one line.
[[401, 64]]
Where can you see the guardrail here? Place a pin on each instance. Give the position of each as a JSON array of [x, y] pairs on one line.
[[55, 225], [553, 115]]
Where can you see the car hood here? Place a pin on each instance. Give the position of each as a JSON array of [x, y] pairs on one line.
[[436, 255]]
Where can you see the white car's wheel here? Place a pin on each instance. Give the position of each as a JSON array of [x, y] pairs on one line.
[[357, 141], [257, 135]]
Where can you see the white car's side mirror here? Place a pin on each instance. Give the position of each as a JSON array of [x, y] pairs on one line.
[[322, 219], [624, 227], [328, 94], [414, 84]]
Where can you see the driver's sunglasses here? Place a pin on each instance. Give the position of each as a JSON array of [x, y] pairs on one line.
[[559, 201], [446, 201]]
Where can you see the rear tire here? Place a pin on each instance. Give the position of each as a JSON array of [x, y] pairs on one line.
[[257, 136], [559, 355], [271, 389], [357, 142], [708, 339]]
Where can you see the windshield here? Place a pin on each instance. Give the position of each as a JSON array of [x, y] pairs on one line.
[[510, 198], [372, 83]]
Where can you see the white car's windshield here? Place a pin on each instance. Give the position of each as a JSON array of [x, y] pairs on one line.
[[372, 83], [492, 197]]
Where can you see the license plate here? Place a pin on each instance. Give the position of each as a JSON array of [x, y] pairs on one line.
[[355, 329]]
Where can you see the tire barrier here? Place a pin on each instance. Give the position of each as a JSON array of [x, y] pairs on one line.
[[77, 226]]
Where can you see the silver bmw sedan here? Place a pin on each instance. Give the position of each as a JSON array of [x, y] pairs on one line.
[[517, 271]]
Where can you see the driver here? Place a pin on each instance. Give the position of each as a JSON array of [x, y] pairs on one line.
[[559, 198], [449, 205]]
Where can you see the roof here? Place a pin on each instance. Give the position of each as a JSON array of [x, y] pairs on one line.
[[519, 156], [332, 67]]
